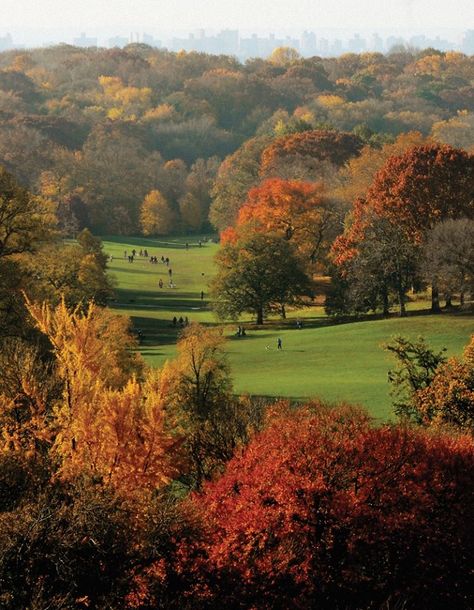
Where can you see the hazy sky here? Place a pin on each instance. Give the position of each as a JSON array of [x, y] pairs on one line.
[[94, 16]]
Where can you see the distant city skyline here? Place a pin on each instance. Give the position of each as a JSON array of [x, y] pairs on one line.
[[245, 45], [338, 26]]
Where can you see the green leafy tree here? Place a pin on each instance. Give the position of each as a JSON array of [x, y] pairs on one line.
[[258, 273], [199, 393], [25, 220], [417, 366], [93, 246], [237, 174], [431, 390], [448, 255]]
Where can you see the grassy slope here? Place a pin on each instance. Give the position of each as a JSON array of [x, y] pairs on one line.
[[341, 362]]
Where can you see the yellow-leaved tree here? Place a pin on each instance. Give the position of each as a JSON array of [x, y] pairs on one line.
[[27, 386], [107, 424], [284, 56], [469, 352], [156, 215]]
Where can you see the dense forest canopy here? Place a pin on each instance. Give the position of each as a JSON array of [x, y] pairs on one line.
[[128, 486], [99, 129]]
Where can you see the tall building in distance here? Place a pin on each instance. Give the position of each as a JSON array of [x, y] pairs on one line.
[[85, 41], [151, 41], [467, 45], [6, 42], [308, 44], [357, 44], [118, 41]]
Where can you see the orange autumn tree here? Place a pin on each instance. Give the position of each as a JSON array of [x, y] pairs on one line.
[[357, 175], [448, 400], [298, 211], [413, 192], [323, 508], [106, 424]]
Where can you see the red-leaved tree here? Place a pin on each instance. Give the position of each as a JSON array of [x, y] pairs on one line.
[[323, 510], [413, 192]]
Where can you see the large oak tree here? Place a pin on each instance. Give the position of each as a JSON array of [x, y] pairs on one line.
[[258, 273]]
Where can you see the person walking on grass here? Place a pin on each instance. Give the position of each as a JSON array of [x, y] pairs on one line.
[[279, 345]]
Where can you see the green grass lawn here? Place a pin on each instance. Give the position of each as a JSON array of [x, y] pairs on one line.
[[334, 362]]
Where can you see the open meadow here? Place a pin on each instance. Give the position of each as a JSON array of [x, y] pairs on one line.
[[330, 361]]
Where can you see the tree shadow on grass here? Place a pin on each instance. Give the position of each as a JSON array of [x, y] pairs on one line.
[[323, 322], [252, 334], [148, 242], [151, 301], [153, 354], [152, 271]]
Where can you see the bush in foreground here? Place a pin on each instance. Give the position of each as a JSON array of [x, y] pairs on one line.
[[323, 510]]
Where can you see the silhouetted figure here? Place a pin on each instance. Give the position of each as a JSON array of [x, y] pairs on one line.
[[279, 345], [202, 295]]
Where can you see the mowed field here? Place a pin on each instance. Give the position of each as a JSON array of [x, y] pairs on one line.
[[331, 361]]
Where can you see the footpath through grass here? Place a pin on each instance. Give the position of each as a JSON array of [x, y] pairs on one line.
[[334, 362]]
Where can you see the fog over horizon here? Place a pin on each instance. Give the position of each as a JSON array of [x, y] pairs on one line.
[[52, 21]]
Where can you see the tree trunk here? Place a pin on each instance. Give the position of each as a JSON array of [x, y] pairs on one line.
[[461, 298], [435, 308], [401, 302], [386, 310], [283, 311], [260, 315], [449, 301]]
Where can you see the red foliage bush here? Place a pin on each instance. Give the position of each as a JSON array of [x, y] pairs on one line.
[[323, 510]]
